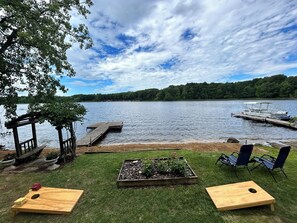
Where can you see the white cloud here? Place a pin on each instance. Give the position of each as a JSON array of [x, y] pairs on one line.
[[230, 37]]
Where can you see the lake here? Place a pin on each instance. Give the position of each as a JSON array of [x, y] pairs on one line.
[[178, 121]]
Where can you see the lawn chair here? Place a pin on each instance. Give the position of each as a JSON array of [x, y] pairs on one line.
[[237, 159], [272, 163]]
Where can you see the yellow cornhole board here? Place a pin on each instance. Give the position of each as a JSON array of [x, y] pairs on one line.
[[50, 201], [239, 195]]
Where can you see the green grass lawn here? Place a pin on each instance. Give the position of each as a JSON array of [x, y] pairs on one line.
[[102, 201]]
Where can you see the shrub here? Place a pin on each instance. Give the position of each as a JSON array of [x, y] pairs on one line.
[[52, 155], [178, 167], [9, 156], [147, 168], [175, 166], [162, 166]]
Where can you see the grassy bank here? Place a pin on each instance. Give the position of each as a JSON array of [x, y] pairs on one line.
[[102, 202]]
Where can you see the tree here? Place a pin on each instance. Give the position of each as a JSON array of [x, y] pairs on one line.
[[62, 114], [34, 38], [248, 92]]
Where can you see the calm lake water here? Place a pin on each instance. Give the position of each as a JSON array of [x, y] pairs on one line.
[[182, 121]]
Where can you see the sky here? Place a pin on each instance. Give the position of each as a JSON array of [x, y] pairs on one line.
[[141, 44]]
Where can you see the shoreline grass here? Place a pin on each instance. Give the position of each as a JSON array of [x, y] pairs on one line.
[[102, 201]]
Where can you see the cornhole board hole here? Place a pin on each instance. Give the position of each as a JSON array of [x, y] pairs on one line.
[[239, 195], [49, 200]]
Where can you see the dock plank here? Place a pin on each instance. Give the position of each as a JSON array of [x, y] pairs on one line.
[[110, 124], [98, 130], [267, 120]]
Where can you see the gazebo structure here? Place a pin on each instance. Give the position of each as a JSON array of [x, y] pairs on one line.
[[29, 148], [68, 146]]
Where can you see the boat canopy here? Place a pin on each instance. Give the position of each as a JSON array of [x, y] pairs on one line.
[[257, 102]]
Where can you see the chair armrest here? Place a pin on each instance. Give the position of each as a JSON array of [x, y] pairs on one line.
[[235, 153], [255, 159], [267, 157], [224, 156]]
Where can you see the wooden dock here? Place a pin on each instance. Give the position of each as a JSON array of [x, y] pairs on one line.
[[266, 120], [98, 130]]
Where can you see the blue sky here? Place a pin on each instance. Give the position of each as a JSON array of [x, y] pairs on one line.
[[157, 43]]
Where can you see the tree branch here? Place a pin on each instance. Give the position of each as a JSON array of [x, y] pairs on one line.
[[5, 18], [9, 41]]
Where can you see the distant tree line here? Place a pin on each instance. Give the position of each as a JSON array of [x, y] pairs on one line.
[[277, 86]]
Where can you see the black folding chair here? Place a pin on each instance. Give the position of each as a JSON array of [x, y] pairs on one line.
[[237, 159], [272, 163]]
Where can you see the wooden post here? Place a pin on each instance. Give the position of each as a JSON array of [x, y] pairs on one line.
[[16, 142], [73, 138], [34, 134], [62, 151]]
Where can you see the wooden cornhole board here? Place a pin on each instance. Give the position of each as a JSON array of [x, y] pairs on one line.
[[239, 195], [50, 201]]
